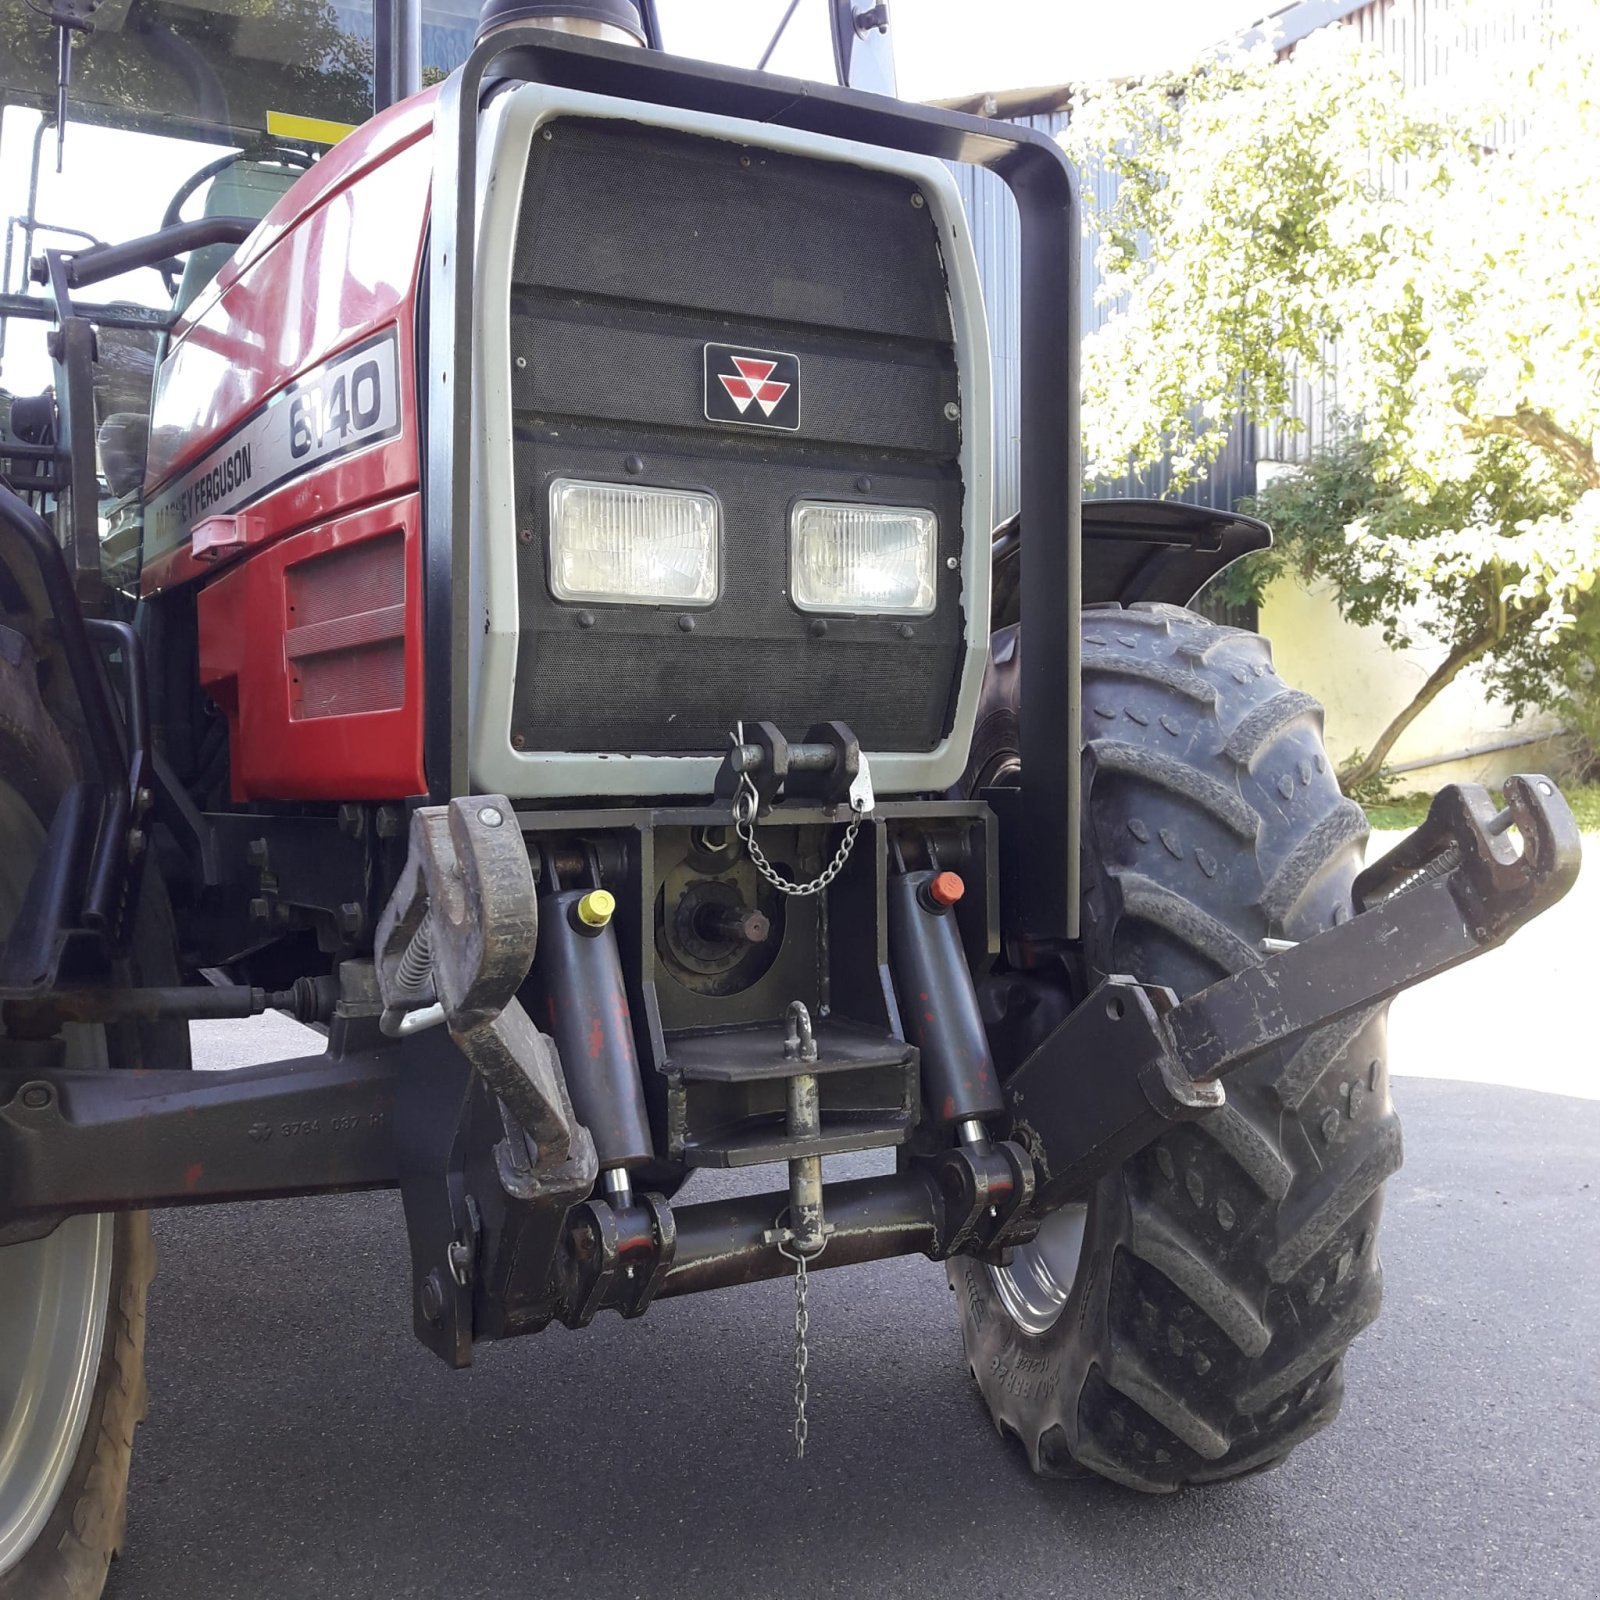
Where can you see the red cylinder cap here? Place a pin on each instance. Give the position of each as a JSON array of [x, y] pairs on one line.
[[945, 888]]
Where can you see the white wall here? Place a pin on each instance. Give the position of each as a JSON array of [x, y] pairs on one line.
[[1363, 684]]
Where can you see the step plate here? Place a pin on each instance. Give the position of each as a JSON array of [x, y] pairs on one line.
[[727, 1095]]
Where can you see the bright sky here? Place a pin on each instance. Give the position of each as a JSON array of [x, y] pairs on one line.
[[945, 48], [118, 186]]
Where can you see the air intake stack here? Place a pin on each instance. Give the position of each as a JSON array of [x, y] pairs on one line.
[[616, 21]]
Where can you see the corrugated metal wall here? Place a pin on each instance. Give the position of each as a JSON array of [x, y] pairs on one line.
[[1426, 37]]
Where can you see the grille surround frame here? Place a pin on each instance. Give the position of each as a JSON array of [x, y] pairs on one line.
[[511, 121]]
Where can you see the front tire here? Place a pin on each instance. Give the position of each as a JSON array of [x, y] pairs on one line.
[[72, 1304], [1189, 1323]]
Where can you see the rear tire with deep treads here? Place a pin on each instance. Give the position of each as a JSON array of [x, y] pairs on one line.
[[1226, 1268]]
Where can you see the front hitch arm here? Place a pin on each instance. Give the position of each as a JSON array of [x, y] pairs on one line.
[[1131, 1059]]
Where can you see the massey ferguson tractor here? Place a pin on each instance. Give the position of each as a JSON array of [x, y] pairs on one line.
[[543, 628]]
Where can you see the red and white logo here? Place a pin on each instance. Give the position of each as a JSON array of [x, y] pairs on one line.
[[754, 381], [752, 388]]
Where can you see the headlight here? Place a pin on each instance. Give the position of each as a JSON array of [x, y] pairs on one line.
[[615, 541], [876, 560]]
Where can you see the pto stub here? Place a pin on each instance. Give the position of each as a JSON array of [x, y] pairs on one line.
[[754, 388]]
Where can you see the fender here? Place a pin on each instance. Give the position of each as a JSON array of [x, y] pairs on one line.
[[1134, 550]]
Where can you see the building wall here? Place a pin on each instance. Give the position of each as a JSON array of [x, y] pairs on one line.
[[1363, 685]]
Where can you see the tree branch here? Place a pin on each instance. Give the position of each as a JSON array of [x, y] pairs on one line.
[[1540, 429], [1464, 654]]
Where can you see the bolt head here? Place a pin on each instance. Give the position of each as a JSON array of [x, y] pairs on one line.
[[953, 563], [431, 1296], [491, 816], [952, 411], [36, 1096], [351, 917]]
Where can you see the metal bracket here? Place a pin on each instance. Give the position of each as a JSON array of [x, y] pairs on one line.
[[987, 1193], [1497, 887], [1130, 1060], [487, 1183], [468, 874], [826, 766]]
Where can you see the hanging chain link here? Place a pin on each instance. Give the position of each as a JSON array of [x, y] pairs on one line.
[[802, 1324], [783, 1239], [747, 834], [746, 803]]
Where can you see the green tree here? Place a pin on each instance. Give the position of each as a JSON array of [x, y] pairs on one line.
[[1440, 566], [225, 67], [1438, 248]]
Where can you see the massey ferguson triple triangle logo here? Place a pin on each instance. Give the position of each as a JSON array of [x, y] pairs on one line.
[[755, 382], [758, 388]]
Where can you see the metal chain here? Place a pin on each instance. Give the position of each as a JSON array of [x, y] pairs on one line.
[[802, 1323], [745, 805], [747, 834]]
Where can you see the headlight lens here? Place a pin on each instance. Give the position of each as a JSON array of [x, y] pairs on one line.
[[625, 542], [877, 560]]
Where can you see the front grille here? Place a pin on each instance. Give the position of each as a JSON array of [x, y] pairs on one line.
[[637, 248]]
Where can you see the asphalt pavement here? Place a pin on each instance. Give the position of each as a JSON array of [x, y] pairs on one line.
[[302, 1444]]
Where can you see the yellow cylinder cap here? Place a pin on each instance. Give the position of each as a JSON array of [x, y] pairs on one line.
[[595, 908]]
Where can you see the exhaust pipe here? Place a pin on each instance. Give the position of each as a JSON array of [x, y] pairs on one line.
[[614, 21]]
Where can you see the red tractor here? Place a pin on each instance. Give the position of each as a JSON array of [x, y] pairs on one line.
[[550, 637]]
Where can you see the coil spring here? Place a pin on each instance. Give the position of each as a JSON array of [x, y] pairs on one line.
[[416, 965]]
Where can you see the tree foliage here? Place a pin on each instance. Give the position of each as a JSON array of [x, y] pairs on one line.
[[1436, 250], [225, 67], [1439, 567]]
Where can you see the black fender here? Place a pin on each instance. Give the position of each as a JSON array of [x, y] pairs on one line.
[[1134, 550]]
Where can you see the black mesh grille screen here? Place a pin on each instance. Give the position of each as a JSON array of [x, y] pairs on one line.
[[637, 248]]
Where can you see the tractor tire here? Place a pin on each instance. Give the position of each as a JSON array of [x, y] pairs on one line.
[[1189, 1323], [67, 1422]]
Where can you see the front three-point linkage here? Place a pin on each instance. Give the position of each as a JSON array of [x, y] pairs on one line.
[[1131, 1060]]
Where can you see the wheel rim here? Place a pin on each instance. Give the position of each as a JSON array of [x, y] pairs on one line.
[[53, 1292], [1036, 1285]]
